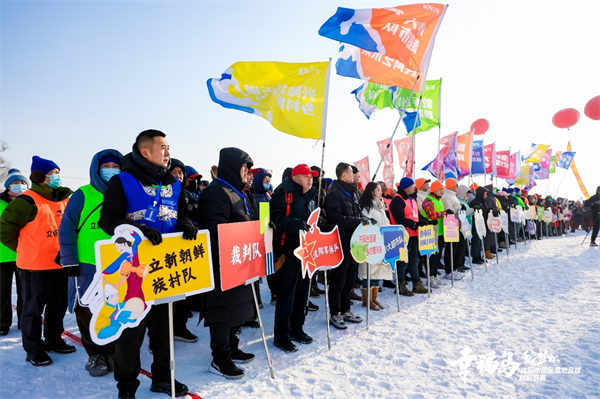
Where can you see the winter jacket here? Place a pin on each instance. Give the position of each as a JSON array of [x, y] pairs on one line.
[[301, 207], [190, 198], [378, 271], [462, 197], [480, 201], [219, 204], [68, 234], [397, 211], [342, 209], [6, 254], [421, 195], [450, 201], [15, 224], [594, 203], [114, 206]]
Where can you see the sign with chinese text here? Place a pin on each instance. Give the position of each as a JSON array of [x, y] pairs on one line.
[[131, 274], [451, 229], [427, 240], [504, 220], [319, 250], [366, 244], [465, 226], [494, 223], [479, 223], [395, 241]]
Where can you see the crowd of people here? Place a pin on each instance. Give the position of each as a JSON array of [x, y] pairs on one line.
[[48, 232]]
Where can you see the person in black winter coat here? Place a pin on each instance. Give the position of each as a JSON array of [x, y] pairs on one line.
[[594, 203], [224, 202], [297, 193], [478, 203], [342, 209]]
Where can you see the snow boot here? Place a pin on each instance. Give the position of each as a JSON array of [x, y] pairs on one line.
[[372, 304], [363, 291], [374, 295], [418, 288], [402, 290], [488, 255]]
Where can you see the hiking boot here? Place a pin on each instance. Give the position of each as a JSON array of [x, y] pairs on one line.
[[351, 317], [402, 290], [478, 261], [185, 336], [338, 322], [418, 288], [237, 356], [38, 359], [311, 307], [303, 338], [488, 255], [59, 346], [227, 369], [97, 366], [165, 387], [287, 347]]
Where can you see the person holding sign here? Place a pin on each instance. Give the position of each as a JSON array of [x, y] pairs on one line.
[[342, 209], [451, 203], [433, 210], [223, 201], [146, 195], [78, 232], [290, 208], [404, 210]]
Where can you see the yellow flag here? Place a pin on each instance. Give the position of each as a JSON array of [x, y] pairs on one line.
[[290, 96]]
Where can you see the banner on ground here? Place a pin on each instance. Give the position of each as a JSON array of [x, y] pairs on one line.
[[319, 250], [290, 96], [388, 162], [131, 274]]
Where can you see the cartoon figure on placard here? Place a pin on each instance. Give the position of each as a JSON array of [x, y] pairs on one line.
[[130, 270], [113, 314]]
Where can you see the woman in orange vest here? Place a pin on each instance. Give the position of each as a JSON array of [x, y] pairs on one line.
[[29, 225]]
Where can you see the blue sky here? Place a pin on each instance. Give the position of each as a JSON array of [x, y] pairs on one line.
[[79, 77]]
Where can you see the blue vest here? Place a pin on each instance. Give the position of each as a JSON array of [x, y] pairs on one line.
[[140, 197]]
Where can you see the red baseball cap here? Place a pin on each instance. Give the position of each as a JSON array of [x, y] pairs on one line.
[[303, 169]]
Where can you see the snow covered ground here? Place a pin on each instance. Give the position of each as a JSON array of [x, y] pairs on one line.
[[537, 311]]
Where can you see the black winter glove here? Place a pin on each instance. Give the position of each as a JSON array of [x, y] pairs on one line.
[[72, 270], [151, 234], [365, 221], [433, 222], [373, 221], [189, 232], [477, 207], [449, 212], [304, 226], [463, 207], [495, 213], [422, 223]]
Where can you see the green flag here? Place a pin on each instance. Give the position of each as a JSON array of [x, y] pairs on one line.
[[372, 97], [553, 164]]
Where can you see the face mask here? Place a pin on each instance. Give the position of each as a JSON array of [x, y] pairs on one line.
[[266, 187], [107, 173], [193, 186], [55, 181], [18, 188]]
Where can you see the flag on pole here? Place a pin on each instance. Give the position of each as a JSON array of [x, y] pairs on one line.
[[565, 159], [290, 96], [404, 33], [535, 153], [411, 120], [489, 156], [464, 153], [388, 162], [477, 161], [584, 191], [553, 164], [405, 154], [373, 97], [544, 170], [445, 165], [503, 164], [365, 173]]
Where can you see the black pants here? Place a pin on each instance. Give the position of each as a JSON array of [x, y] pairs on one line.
[[44, 292], [7, 270], [84, 316], [127, 350], [291, 301], [596, 227], [457, 254], [181, 314], [223, 342], [273, 283], [414, 259], [342, 282]]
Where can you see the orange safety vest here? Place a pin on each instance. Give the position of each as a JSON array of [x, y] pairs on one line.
[[38, 247], [411, 211]]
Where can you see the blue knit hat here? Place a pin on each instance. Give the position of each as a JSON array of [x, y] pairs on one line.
[[406, 182], [15, 175], [190, 171], [45, 165]]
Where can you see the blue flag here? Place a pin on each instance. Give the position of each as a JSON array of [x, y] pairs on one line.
[[409, 121], [477, 162], [565, 160]]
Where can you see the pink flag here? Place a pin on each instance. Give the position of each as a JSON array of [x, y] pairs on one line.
[[405, 154], [512, 168], [503, 164], [365, 173], [388, 163], [489, 155]]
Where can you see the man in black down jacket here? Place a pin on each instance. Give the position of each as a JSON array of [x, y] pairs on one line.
[[293, 287], [341, 208], [224, 202]]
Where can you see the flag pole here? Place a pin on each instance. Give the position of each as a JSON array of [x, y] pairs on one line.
[[395, 129], [414, 140]]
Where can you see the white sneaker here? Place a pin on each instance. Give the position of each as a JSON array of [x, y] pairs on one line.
[[338, 322], [432, 283], [457, 276], [351, 317], [439, 282]]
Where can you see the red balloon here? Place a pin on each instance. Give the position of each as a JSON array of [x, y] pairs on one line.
[[481, 126], [565, 118], [592, 109]]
